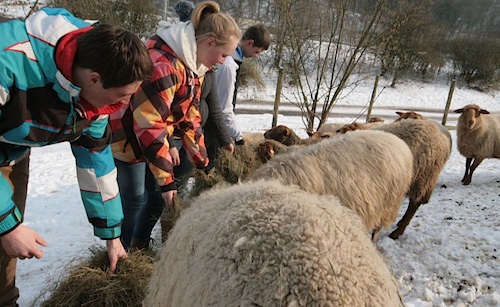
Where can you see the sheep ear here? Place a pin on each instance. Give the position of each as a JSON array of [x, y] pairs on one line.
[[399, 113], [459, 111], [483, 111], [309, 133]]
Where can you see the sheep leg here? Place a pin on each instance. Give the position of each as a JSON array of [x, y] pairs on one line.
[[375, 234], [467, 167], [410, 212], [475, 164]]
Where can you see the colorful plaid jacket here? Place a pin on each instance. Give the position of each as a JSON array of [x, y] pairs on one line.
[[170, 100]]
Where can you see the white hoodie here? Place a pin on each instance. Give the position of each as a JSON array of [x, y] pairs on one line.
[[182, 39]]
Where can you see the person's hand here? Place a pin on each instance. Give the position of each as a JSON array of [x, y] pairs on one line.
[[22, 243], [115, 253], [168, 197], [201, 164], [174, 153], [229, 147]]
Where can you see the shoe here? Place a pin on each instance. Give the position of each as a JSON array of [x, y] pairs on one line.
[[140, 244]]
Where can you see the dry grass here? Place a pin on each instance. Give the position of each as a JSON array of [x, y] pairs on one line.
[[228, 168], [170, 216], [89, 284]]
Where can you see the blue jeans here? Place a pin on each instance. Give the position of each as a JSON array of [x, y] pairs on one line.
[[141, 199], [152, 209], [131, 181]]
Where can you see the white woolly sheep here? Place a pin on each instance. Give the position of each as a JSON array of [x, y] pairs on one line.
[[478, 137], [253, 138], [415, 115], [331, 129], [265, 244], [430, 149], [367, 170], [328, 129]]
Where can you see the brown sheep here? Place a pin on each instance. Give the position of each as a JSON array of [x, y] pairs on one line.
[[287, 136], [375, 119], [410, 114]]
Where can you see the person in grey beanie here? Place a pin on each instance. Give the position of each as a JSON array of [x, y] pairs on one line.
[[183, 9]]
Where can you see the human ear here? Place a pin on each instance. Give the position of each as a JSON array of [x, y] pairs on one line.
[[211, 41], [94, 77]]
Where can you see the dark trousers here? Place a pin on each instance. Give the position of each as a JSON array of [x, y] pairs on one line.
[[17, 175], [212, 145], [184, 170]]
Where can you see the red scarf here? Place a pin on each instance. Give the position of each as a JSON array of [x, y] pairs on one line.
[[65, 56]]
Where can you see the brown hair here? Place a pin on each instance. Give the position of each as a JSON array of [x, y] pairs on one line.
[[116, 54], [260, 36], [208, 21]]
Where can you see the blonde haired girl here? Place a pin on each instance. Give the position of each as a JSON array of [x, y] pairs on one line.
[[181, 54]]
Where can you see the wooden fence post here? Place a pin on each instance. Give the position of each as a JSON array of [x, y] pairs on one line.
[[372, 99], [448, 102], [277, 97]]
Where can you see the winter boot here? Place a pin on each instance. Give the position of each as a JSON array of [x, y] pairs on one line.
[[139, 244]]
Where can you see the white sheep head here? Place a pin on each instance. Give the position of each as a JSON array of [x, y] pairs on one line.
[[470, 115]]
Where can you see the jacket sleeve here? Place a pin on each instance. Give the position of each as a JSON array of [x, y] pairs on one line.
[[193, 140], [215, 117], [226, 81], [96, 173], [10, 216]]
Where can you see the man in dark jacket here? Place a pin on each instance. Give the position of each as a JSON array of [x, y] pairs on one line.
[[60, 78]]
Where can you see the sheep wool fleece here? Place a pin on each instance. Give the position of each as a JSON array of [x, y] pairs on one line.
[[266, 244], [358, 167]]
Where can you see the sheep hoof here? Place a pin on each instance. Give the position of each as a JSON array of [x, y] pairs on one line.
[[394, 235]]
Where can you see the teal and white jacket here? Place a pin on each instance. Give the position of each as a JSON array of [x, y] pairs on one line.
[[40, 106]]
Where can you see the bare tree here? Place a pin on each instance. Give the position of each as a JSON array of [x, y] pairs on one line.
[[323, 48], [411, 40], [137, 16]]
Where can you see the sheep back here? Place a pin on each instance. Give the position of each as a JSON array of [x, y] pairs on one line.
[[430, 148], [265, 244], [330, 127], [368, 170]]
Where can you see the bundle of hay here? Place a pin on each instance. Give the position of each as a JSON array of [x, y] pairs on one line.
[[89, 284], [170, 216], [228, 168]]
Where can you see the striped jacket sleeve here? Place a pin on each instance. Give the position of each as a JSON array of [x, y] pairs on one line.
[[10, 216], [96, 173]]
